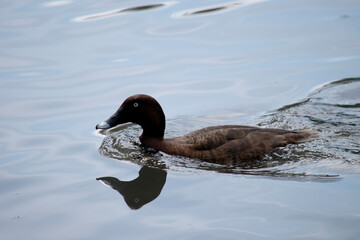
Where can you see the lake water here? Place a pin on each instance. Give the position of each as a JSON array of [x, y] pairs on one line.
[[67, 65]]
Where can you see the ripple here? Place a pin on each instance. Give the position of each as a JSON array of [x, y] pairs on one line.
[[215, 9], [333, 110], [15, 62], [56, 3], [271, 90], [116, 12], [177, 28], [343, 93]]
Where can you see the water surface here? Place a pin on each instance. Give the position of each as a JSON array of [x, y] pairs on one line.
[[67, 65]]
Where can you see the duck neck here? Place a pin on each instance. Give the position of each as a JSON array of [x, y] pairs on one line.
[[153, 132], [152, 139], [153, 124], [154, 129]]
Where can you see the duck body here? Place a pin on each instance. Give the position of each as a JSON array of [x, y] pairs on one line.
[[226, 144]]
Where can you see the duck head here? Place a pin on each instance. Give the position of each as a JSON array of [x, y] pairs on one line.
[[140, 109]]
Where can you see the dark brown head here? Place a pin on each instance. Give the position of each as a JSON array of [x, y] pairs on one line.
[[140, 109]]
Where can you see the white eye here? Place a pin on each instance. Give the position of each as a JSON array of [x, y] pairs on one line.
[[136, 104]]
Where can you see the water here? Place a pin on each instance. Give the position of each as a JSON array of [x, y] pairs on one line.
[[67, 65]]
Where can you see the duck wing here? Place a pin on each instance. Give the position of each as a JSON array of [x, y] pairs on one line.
[[236, 143], [230, 144], [213, 137]]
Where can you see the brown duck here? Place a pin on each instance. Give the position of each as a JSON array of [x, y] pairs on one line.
[[228, 144]]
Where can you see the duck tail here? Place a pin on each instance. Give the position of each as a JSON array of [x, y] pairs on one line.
[[306, 135]]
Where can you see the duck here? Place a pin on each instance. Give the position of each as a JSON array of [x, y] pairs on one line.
[[224, 144]]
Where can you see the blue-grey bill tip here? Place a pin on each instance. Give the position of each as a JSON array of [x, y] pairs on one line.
[[103, 125]]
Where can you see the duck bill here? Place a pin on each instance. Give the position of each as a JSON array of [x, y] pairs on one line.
[[113, 121]]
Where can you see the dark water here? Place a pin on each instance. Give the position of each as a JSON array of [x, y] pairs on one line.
[[67, 65]]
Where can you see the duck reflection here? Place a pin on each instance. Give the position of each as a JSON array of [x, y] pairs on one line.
[[142, 189]]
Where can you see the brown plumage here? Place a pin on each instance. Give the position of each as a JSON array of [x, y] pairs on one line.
[[228, 144]]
